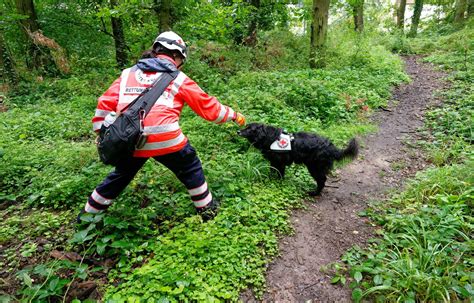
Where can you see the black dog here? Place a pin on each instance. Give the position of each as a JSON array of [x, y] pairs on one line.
[[317, 153]]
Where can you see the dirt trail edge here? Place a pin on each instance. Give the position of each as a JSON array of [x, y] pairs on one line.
[[330, 225]]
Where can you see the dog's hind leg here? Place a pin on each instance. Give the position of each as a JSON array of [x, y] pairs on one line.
[[319, 175]]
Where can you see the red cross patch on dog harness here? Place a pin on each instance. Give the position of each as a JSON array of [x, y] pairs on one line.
[[283, 143]]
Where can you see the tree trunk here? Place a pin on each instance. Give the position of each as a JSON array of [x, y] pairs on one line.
[[119, 38], [401, 14], [26, 7], [251, 39], [38, 57], [416, 17], [358, 13], [319, 28], [470, 9], [8, 72], [460, 9], [163, 13]]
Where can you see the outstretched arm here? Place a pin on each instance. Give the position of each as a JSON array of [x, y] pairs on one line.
[[206, 106]]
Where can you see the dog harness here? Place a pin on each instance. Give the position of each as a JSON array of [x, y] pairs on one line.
[[283, 143]]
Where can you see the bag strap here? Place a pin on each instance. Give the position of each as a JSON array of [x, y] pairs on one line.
[[153, 92], [157, 90]]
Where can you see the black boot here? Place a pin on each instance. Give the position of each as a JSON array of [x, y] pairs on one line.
[[78, 219], [210, 211]]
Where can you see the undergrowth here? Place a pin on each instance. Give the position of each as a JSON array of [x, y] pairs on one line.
[[425, 250], [160, 249]]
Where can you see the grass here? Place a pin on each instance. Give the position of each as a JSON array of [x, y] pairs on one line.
[[425, 252]]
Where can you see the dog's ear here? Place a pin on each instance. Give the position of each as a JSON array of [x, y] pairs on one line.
[[254, 126], [252, 129], [272, 132], [259, 137], [264, 136]]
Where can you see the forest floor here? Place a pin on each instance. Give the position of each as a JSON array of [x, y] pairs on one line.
[[330, 225]]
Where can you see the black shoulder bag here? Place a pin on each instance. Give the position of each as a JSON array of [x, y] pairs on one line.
[[120, 139]]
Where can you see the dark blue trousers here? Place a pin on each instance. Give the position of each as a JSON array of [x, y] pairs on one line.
[[185, 164]]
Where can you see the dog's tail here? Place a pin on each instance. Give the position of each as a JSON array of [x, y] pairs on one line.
[[350, 151]]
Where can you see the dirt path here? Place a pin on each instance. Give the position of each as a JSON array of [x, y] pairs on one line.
[[330, 225]]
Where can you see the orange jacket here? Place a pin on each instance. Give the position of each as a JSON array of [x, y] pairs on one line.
[[162, 122]]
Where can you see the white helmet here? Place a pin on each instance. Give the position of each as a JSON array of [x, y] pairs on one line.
[[170, 40]]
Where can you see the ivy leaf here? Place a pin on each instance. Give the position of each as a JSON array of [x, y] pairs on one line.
[[358, 276], [53, 284], [80, 236], [378, 280], [107, 238], [100, 248], [178, 290], [184, 283], [81, 272], [26, 279], [357, 294], [123, 244], [42, 270], [469, 288], [343, 280], [163, 300]]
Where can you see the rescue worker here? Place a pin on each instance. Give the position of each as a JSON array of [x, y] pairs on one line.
[[165, 143]]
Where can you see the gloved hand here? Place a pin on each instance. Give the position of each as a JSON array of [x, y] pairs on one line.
[[239, 119]]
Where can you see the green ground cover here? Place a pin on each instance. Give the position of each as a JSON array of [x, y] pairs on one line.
[[162, 251]]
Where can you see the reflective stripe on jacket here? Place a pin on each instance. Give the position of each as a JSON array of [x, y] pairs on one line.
[[161, 123]]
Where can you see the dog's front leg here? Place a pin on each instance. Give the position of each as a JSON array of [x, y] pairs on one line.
[[278, 168], [317, 192]]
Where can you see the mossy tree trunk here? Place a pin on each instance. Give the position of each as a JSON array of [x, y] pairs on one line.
[[416, 17], [251, 39], [163, 12], [121, 55], [460, 9], [319, 26], [29, 25], [470, 9], [38, 58], [401, 14], [8, 72], [358, 13]]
